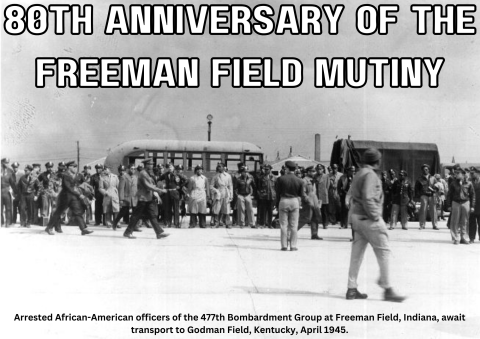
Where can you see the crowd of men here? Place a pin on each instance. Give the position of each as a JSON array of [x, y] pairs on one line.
[[227, 198]]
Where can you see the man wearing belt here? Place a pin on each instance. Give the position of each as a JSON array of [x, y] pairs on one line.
[[125, 183], [424, 188], [222, 182], [310, 212], [8, 190], [323, 185], [70, 197], [145, 205], [266, 197], [290, 192], [17, 174], [343, 186], [369, 226], [461, 196], [244, 188], [171, 202]]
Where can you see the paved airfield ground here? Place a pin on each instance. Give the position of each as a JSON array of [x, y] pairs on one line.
[[231, 271]]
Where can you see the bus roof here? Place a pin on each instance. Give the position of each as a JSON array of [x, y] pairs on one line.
[[189, 145]]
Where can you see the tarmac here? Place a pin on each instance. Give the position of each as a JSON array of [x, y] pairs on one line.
[[236, 272]]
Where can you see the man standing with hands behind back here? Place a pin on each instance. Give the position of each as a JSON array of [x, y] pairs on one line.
[[289, 194]]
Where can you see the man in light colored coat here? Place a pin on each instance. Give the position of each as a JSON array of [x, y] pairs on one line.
[[109, 189]]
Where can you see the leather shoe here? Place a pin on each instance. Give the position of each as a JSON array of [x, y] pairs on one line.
[[86, 231], [129, 235], [316, 237], [294, 249], [464, 242], [284, 249], [58, 230], [136, 229], [49, 231], [162, 235], [353, 293], [436, 228], [390, 295]]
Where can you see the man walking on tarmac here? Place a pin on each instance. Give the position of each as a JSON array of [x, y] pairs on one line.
[[369, 227], [145, 205]]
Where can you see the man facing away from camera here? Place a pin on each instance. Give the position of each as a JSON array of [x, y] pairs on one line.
[[290, 192], [369, 227]]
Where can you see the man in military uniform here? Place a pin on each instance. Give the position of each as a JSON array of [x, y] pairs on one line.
[[72, 198], [334, 205], [145, 206], [244, 188], [171, 201], [109, 189], [322, 183], [17, 173], [28, 188], [87, 177], [402, 195], [222, 183], [344, 184], [182, 190], [198, 194], [95, 183], [266, 197], [310, 211], [425, 189], [37, 204], [47, 189], [8, 187], [125, 183]]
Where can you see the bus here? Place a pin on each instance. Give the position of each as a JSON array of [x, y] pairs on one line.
[[187, 153]]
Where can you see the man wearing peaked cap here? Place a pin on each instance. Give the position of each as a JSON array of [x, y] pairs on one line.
[[70, 197], [8, 187], [322, 182], [17, 174], [173, 184], [343, 186], [310, 211], [198, 193], [47, 190], [125, 191], [95, 183], [425, 189]]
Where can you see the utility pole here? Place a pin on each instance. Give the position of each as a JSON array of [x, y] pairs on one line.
[[78, 156]]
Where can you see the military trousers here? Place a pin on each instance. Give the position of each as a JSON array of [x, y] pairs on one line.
[[27, 209], [373, 232], [7, 207], [429, 203], [288, 210], [147, 210], [459, 221], [264, 212]]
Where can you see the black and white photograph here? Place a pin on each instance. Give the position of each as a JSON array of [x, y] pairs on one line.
[[240, 169]]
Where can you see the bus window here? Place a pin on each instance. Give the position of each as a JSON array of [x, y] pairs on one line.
[[212, 161], [193, 159], [175, 158], [232, 160], [251, 160]]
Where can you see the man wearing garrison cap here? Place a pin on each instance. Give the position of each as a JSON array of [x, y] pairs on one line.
[[266, 197], [290, 193], [9, 187], [369, 227], [425, 189]]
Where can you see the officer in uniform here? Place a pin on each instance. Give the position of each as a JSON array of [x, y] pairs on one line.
[[310, 211], [125, 183], [72, 198], [145, 206], [198, 193], [95, 183], [9, 187], [171, 202], [222, 183], [47, 189], [266, 197], [28, 190], [37, 204], [17, 174], [344, 184], [87, 177]]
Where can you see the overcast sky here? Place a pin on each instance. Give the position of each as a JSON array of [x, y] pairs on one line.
[[44, 124]]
